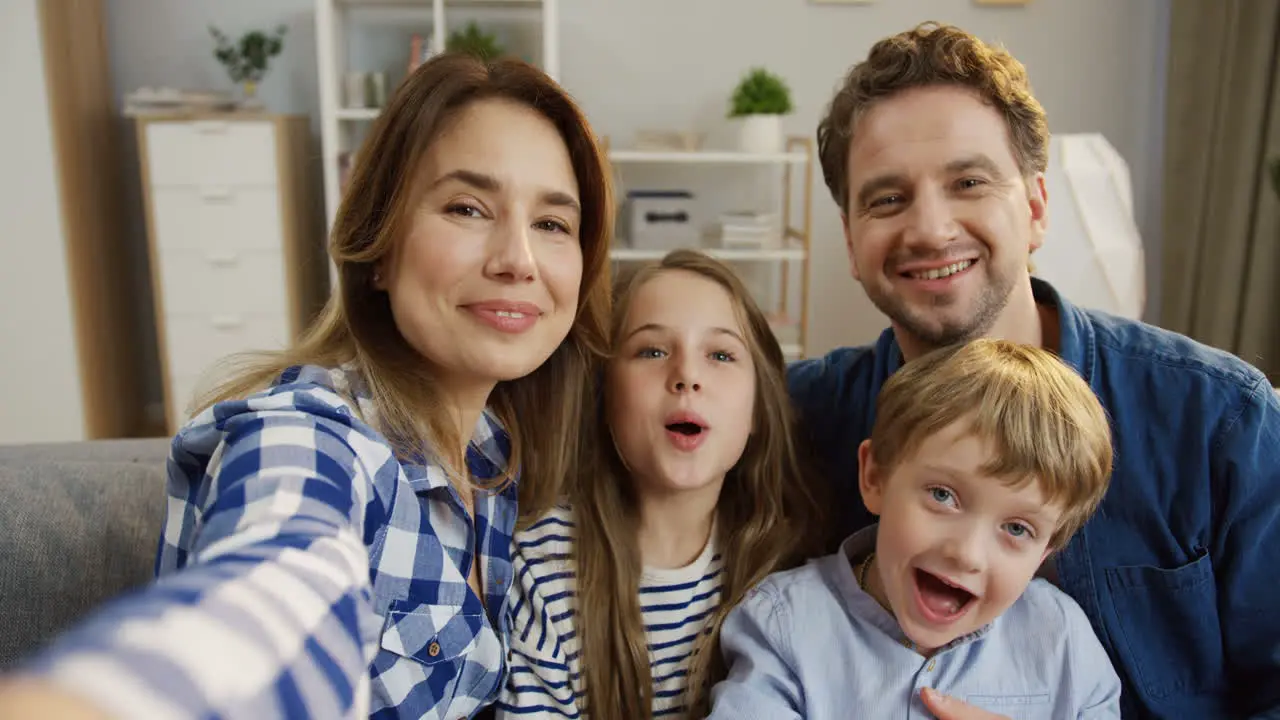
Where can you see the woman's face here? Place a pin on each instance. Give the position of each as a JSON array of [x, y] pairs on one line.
[[485, 283]]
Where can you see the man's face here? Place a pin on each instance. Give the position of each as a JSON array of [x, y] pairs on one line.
[[940, 220]]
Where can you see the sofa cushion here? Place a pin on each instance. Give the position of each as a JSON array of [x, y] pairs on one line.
[[79, 524]]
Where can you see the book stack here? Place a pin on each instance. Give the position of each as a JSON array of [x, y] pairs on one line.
[[748, 230]]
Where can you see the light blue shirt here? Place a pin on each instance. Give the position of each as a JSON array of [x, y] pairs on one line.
[[809, 643]]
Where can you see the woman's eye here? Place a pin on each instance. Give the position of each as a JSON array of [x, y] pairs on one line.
[[552, 226], [463, 210]]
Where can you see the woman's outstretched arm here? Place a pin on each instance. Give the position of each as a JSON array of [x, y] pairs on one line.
[[267, 611]]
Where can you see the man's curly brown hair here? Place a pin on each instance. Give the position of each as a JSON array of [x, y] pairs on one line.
[[933, 54]]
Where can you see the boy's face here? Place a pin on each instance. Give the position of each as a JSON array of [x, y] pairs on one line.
[[955, 547]]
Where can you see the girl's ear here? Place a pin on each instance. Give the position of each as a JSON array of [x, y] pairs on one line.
[[870, 479]]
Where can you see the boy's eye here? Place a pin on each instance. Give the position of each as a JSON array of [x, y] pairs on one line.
[[942, 495], [1018, 530]]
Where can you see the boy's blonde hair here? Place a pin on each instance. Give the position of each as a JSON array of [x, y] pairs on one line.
[[1043, 421]]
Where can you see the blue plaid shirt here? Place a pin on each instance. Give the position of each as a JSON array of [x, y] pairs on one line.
[[305, 571]]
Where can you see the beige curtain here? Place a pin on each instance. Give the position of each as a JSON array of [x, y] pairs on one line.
[[1221, 229]]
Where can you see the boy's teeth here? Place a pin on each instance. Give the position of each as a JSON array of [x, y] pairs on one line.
[[942, 272], [508, 313]]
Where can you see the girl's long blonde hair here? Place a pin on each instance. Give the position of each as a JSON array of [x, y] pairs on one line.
[[540, 411], [767, 518]]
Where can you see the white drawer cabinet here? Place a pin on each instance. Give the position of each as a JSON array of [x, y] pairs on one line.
[[236, 241]]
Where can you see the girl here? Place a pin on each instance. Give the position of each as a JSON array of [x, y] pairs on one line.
[[696, 494], [338, 543]]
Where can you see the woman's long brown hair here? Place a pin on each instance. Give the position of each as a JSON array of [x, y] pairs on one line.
[[767, 518], [542, 411]]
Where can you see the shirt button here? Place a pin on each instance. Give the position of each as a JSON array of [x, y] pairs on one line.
[[932, 664], [433, 649]]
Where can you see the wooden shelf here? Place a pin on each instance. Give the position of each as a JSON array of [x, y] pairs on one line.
[[426, 4], [713, 157], [791, 251], [358, 114]]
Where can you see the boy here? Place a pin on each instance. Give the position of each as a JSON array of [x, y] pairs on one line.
[[984, 457]]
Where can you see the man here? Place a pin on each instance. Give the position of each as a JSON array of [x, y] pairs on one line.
[[935, 150]]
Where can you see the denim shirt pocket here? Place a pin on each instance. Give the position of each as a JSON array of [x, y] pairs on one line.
[[1146, 602], [439, 637]]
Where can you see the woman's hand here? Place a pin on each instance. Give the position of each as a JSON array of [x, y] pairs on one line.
[[945, 707], [22, 699]]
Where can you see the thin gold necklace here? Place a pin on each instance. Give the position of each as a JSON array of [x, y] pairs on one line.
[[862, 573]]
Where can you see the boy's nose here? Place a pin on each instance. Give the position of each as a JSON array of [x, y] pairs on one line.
[[965, 552]]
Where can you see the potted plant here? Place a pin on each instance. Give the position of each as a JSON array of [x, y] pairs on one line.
[[758, 103], [475, 41], [246, 61]]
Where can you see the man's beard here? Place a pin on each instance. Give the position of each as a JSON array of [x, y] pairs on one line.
[[933, 333]]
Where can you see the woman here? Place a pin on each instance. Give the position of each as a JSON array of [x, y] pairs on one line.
[[338, 544], [699, 496]]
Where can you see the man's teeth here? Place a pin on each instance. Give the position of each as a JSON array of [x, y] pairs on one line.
[[942, 272], [508, 313]]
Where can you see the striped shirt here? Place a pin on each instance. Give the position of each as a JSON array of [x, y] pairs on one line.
[[306, 571], [546, 673]]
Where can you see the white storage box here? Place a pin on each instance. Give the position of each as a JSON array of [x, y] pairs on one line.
[[661, 220]]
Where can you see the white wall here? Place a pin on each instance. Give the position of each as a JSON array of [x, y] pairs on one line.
[[40, 390], [1097, 65]]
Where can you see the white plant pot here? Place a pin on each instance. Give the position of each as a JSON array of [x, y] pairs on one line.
[[760, 133]]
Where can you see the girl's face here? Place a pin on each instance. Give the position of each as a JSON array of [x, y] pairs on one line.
[[681, 387], [485, 284]]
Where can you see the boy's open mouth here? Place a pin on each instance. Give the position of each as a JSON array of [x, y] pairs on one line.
[[941, 599]]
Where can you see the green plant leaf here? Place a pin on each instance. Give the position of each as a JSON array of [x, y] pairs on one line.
[[475, 41], [760, 92], [249, 58]]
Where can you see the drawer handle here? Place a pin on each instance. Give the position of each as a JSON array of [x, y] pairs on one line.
[[223, 259], [210, 127], [227, 322], [218, 194]]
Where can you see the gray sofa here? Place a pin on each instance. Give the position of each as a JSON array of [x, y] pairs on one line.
[[79, 524]]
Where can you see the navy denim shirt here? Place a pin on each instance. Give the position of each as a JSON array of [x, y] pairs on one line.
[[1177, 571]]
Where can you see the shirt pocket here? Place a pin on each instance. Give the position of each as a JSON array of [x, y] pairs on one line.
[[1029, 706], [1165, 622], [439, 638]]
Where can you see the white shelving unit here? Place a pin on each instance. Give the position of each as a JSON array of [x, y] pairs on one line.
[[792, 247], [342, 128]]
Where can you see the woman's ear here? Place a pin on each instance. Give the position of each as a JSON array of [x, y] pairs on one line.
[[870, 479]]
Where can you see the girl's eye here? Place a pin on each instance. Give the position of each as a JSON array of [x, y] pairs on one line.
[[552, 226], [649, 352], [721, 356], [942, 496]]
